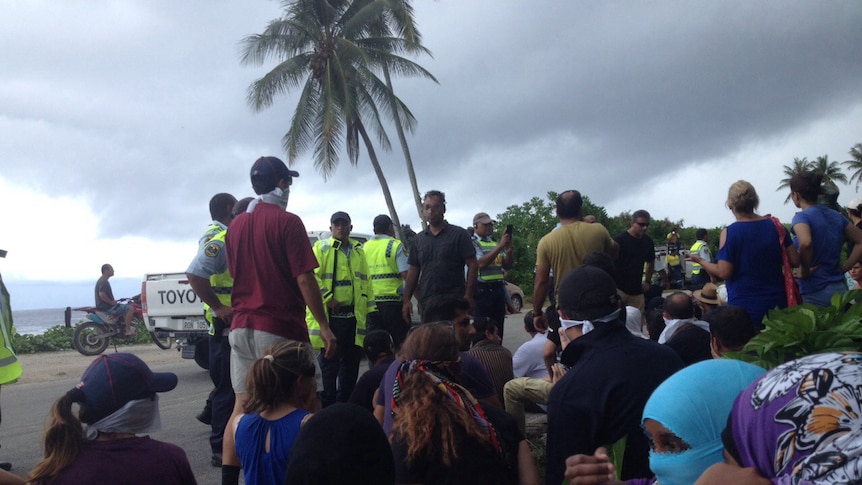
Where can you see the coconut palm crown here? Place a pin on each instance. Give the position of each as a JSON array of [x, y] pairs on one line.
[[332, 51], [855, 164]]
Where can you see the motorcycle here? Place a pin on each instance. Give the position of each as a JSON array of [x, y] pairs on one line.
[[94, 335]]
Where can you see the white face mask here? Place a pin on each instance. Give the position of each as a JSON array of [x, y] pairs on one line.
[[284, 195], [276, 196]]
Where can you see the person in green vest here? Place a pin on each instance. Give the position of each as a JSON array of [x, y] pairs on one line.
[[492, 258], [209, 278], [221, 212], [700, 248], [342, 275], [387, 266], [10, 367]]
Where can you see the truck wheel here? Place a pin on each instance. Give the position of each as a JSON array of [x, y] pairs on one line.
[[202, 353], [90, 339]]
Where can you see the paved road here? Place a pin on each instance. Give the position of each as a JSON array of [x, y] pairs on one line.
[[26, 406]]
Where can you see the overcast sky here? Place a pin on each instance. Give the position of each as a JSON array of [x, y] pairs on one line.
[[119, 120]]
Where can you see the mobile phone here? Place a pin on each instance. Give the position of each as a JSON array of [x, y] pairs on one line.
[[509, 229]]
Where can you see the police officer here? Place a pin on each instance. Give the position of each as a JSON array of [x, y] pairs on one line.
[[221, 210], [489, 297], [348, 298], [387, 266], [700, 276], [10, 367], [209, 278]]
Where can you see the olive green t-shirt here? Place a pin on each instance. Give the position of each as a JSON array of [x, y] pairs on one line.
[[565, 248]]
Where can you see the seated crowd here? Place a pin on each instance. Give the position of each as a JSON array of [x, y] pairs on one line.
[[634, 391]]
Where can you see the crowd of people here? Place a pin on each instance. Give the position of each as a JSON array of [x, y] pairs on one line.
[[635, 388]]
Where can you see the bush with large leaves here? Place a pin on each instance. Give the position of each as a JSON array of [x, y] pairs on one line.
[[803, 330]]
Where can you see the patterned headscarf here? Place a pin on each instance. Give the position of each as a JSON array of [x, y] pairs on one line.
[[442, 375], [802, 421]]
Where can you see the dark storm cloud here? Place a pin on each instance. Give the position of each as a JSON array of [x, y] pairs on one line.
[[646, 88], [141, 106]]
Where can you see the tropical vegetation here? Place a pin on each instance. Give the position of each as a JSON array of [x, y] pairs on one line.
[[803, 330], [332, 52], [855, 164]]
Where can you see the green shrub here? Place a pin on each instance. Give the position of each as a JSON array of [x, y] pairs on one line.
[[59, 337], [803, 330]]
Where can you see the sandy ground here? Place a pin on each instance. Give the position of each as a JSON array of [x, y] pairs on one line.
[[55, 366]]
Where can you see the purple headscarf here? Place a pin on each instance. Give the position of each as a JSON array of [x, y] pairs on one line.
[[801, 423]]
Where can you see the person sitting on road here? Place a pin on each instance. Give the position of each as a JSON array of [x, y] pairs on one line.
[[730, 329], [105, 301], [441, 433], [118, 399], [341, 444], [282, 393], [488, 348], [379, 348], [683, 419]]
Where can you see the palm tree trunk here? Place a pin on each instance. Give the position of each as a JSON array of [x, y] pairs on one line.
[[408, 160], [381, 178]]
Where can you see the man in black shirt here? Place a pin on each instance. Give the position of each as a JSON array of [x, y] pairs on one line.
[[438, 257], [636, 249]]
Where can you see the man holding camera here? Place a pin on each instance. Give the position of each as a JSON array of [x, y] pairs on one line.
[[492, 258]]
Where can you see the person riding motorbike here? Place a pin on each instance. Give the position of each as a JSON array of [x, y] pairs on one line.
[[106, 302]]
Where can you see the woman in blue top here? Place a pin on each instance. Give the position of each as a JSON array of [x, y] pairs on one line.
[[281, 390], [749, 256], [820, 232]]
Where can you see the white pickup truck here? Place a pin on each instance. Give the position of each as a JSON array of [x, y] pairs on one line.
[[170, 307]]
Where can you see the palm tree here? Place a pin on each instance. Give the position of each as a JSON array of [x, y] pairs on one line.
[[855, 163], [403, 22], [332, 50], [799, 165], [831, 171]]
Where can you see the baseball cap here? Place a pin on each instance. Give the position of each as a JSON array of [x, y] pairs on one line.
[[381, 223], [854, 204], [482, 218], [267, 171], [587, 290], [113, 380], [339, 215]]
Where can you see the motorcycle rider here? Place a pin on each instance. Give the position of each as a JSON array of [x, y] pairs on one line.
[[105, 301]]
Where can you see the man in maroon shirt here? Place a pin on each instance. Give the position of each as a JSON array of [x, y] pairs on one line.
[[271, 262]]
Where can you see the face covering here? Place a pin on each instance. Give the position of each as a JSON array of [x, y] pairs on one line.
[[276, 196], [683, 468], [139, 416]]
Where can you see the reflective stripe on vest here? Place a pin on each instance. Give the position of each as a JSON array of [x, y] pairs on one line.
[[383, 268], [494, 271], [695, 248], [329, 255]]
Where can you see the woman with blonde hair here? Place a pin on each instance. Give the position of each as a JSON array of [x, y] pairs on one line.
[[441, 434], [282, 393], [749, 256]]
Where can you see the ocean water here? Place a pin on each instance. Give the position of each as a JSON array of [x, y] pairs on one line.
[[35, 322]]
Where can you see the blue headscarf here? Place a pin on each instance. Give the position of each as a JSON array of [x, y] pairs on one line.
[[694, 404]]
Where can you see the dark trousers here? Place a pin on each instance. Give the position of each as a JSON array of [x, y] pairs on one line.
[[222, 395], [343, 368], [388, 317], [699, 279], [489, 301]]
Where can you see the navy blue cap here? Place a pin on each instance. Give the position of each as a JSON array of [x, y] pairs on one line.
[[339, 215], [267, 171], [113, 380]]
